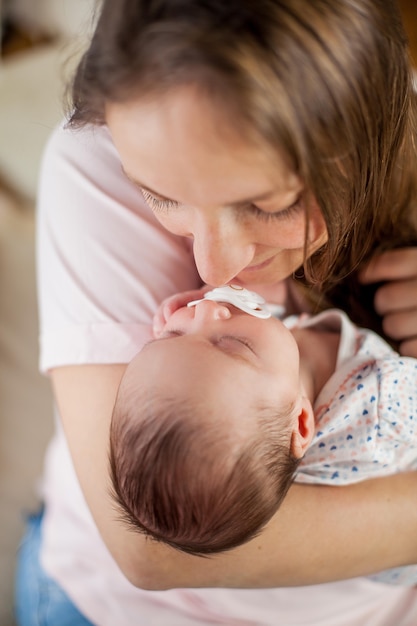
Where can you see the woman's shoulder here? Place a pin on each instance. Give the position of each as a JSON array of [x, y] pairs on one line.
[[92, 141], [82, 173]]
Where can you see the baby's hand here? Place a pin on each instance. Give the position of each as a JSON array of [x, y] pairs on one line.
[[396, 299], [172, 304]]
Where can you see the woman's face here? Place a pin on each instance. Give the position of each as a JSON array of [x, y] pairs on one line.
[[243, 211]]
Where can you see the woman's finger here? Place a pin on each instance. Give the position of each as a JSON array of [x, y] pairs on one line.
[[397, 295], [391, 265]]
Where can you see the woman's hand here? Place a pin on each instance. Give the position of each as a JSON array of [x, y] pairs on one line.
[[396, 299], [172, 304]]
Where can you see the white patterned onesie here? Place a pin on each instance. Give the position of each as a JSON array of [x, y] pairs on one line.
[[366, 415]]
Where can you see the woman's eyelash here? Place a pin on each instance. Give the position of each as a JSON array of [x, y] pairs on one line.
[[277, 215], [161, 204], [158, 203]]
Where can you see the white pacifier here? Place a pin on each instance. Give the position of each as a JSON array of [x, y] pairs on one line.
[[243, 299]]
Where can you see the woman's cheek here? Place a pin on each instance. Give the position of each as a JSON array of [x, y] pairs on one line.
[[285, 235], [317, 226], [172, 224]]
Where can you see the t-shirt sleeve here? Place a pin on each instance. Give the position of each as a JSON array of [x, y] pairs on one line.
[[104, 263]]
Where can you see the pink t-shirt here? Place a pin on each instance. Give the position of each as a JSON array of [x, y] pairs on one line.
[[104, 264]]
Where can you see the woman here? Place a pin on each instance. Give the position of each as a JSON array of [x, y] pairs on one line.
[[269, 144]]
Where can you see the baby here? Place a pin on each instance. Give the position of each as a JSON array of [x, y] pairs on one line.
[[215, 418]]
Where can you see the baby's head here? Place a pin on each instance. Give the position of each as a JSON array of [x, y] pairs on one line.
[[208, 428]]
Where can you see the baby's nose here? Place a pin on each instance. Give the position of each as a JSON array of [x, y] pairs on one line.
[[208, 310]]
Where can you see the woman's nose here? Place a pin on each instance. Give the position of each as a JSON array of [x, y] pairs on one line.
[[220, 255]]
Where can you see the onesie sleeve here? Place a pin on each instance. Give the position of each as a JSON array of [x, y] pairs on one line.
[[367, 425], [104, 263]]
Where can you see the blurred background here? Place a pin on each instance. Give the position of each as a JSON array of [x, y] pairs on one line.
[[41, 41]]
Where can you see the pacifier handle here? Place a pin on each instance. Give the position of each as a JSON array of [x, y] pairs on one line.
[[240, 297]]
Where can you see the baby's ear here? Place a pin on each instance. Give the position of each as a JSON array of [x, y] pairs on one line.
[[303, 430]]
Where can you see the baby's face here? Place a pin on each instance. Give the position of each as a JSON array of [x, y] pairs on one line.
[[215, 350]]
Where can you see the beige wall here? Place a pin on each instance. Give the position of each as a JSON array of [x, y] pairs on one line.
[[67, 17]]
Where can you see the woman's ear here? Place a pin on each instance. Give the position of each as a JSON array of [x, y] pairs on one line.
[[303, 430]]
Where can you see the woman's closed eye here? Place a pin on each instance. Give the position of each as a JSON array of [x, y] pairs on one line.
[[161, 204], [158, 203], [283, 214]]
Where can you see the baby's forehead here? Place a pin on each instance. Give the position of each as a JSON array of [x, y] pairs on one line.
[[192, 369], [173, 355], [184, 364]]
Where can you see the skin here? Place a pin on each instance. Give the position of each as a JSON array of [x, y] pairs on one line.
[[301, 544], [234, 360], [197, 196], [244, 212], [396, 300], [185, 151]]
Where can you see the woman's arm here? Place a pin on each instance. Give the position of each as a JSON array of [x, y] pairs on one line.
[[319, 533]]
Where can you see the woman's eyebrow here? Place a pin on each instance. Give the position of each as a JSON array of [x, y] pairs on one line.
[[265, 196]]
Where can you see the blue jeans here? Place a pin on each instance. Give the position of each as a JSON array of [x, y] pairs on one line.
[[39, 600]]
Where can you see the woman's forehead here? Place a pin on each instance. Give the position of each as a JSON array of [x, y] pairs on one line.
[[182, 148]]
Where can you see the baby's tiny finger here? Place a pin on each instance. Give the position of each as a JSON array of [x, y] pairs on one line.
[[158, 324]]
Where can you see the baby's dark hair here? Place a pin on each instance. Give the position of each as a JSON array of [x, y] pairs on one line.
[[190, 483]]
